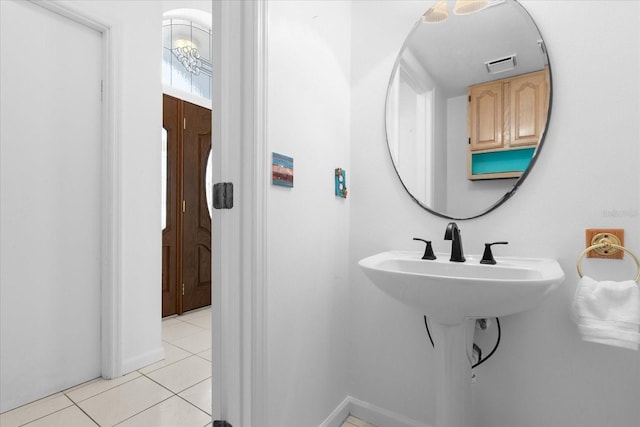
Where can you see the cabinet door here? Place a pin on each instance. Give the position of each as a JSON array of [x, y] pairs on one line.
[[528, 99], [485, 116]]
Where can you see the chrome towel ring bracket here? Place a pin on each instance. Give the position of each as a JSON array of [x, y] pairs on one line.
[[606, 245]]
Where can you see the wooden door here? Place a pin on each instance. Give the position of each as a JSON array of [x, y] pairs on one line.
[[196, 240], [171, 248], [186, 236]]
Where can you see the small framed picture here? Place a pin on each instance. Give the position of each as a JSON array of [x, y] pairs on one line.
[[282, 170]]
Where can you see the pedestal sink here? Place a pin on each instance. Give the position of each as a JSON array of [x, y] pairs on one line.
[[452, 295]]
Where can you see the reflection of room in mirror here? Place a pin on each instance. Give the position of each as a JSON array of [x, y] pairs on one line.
[[412, 127], [506, 119], [427, 110]]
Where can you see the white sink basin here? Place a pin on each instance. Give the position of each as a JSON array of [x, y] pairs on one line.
[[450, 292]]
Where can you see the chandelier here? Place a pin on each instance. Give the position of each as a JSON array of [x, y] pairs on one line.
[[190, 58]]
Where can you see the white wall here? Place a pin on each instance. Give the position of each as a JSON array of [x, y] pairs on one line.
[[205, 5], [137, 26], [308, 234], [587, 176]]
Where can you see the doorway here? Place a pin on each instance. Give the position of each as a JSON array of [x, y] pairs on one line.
[[186, 234]]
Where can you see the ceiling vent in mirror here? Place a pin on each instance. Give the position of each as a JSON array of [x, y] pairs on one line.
[[501, 65]]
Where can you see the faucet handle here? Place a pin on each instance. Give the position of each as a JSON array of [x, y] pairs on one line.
[[428, 251], [487, 256]]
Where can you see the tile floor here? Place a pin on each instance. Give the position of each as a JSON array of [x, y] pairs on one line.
[[175, 392], [352, 421]]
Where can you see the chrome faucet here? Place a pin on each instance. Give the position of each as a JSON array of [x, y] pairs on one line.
[[453, 233]]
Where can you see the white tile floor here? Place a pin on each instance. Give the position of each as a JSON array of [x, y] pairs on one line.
[[352, 421], [175, 392]]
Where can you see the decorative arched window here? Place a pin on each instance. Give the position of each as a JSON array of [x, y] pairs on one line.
[[186, 42]]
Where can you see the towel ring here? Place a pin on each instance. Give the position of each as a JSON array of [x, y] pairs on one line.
[[607, 243]]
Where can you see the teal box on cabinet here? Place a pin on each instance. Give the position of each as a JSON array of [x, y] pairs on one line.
[[516, 160]]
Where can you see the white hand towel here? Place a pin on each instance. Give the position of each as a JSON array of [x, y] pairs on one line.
[[608, 312]]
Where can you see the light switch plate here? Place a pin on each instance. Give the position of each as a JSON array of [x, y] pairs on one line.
[[340, 178]]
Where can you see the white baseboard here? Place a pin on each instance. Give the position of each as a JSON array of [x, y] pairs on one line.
[[338, 415], [142, 360], [373, 414]]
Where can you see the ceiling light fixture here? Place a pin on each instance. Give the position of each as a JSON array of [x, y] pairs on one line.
[[466, 7], [437, 13]]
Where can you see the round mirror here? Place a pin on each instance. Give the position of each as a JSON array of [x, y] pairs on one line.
[[467, 105]]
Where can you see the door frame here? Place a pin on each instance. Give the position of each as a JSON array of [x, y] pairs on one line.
[[239, 146], [110, 229]]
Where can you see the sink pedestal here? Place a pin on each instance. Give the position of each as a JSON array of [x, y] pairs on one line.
[[450, 292], [453, 373]]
